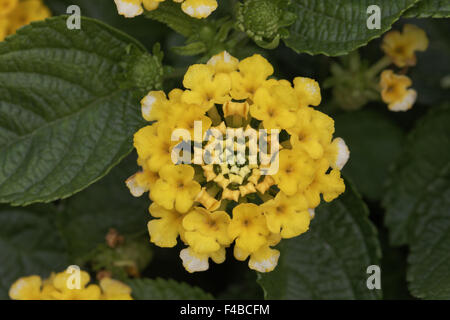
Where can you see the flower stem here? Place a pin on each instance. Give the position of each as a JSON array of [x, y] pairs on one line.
[[377, 67]]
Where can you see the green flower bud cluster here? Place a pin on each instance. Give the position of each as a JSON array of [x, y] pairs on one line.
[[354, 83], [265, 20], [143, 71]]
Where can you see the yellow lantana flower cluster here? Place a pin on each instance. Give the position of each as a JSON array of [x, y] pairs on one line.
[[211, 206], [17, 13], [56, 288], [195, 8], [400, 49]]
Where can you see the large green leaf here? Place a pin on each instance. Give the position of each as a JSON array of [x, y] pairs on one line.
[[29, 244], [419, 179], [429, 8], [336, 27], [418, 205], [331, 259], [86, 218], [374, 141], [429, 261], [161, 289], [64, 120], [171, 14]]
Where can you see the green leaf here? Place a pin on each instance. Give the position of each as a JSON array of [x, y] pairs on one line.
[[336, 27], [161, 289], [374, 141], [86, 218], [147, 32], [29, 244], [418, 205], [64, 121], [170, 13], [429, 272], [190, 49], [331, 259], [419, 178], [429, 9]]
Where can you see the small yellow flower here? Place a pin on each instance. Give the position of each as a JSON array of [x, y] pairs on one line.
[[199, 8], [308, 91], [295, 171], [395, 92], [312, 132], [337, 153], [165, 230], [195, 8], [206, 87], [401, 47], [224, 63], [265, 259], [15, 14], [176, 188], [154, 145], [156, 107], [7, 6], [56, 287], [141, 182], [115, 290], [63, 292], [330, 185], [252, 74], [248, 227], [133, 8], [194, 262], [287, 214], [26, 288], [184, 117], [275, 106], [206, 232]]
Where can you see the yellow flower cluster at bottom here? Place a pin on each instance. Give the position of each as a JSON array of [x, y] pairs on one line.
[[56, 288], [17, 13], [210, 206]]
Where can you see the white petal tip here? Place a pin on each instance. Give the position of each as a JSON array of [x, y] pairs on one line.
[[193, 263], [406, 103], [343, 154], [266, 265], [134, 188]]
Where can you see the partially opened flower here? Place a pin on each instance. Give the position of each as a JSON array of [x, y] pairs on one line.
[[195, 8], [401, 47], [395, 92], [65, 286], [235, 182]]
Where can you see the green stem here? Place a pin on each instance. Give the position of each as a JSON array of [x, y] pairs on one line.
[[176, 73], [377, 67], [237, 37]]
